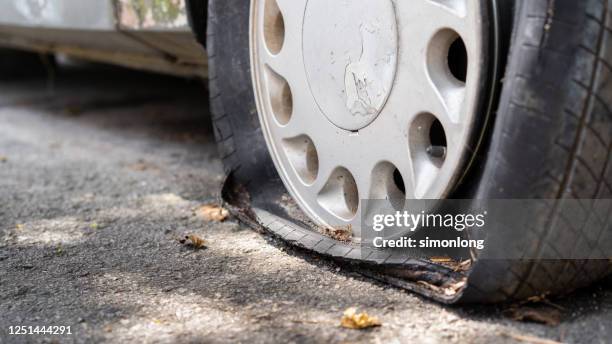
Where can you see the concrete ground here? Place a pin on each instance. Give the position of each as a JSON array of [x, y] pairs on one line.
[[100, 172]]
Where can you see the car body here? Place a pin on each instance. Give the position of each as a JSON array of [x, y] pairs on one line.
[[156, 35]]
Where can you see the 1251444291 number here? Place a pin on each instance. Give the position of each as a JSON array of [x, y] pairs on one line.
[[40, 330]]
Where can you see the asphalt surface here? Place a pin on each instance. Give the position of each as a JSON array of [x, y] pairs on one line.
[[100, 173]]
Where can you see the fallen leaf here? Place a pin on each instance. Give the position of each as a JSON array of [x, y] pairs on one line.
[[453, 288], [193, 240], [449, 289], [339, 233], [536, 298], [213, 212], [528, 339], [440, 259], [19, 226], [541, 315], [3, 158], [353, 320]]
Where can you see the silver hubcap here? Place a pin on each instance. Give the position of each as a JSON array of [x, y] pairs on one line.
[[367, 99], [350, 58]]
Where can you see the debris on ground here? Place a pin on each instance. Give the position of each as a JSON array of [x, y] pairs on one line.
[[213, 212], [339, 233], [440, 260], [542, 299], [528, 339], [453, 288], [537, 309], [538, 314], [359, 321], [449, 289], [142, 165], [312, 322], [193, 241], [3, 158], [457, 266], [73, 110], [463, 266]]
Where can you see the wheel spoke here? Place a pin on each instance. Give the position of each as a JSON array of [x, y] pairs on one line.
[[420, 19], [335, 193], [286, 39], [293, 13]]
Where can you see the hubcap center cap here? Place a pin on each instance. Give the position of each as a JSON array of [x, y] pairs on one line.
[[350, 57]]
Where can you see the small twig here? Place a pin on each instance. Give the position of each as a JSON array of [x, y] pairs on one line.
[[529, 339], [543, 299], [554, 305], [297, 321]]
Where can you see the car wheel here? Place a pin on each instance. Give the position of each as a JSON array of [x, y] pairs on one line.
[[346, 101]]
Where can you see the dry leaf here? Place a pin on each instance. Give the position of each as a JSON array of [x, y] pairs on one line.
[[541, 315], [213, 212], [454, 288], [353, 320], [339, 233], [194, 241], [529, 339], [441, 260], [450, 289], [537, 298], [3, 158]]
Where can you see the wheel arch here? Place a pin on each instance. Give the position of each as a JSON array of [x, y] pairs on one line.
[[197, 15]]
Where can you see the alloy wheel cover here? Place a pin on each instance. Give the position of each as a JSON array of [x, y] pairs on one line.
[[366, 99]]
